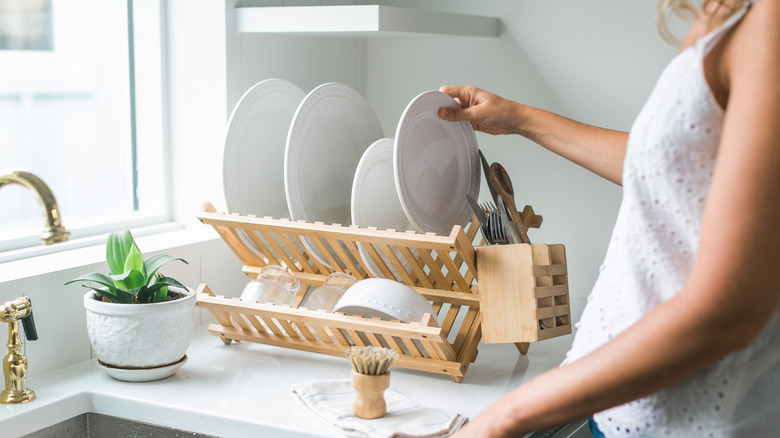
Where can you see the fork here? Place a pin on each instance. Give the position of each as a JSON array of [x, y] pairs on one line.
[[490, 209], [497, 232]]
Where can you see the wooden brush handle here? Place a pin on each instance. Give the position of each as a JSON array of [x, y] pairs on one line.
[[370, 395]]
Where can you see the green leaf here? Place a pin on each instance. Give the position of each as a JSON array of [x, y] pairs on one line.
[[118, 246], [153, 263], [145, 295], [103, 279], [121, 297], [170, 282], [160, 287], [131, 279], [161, 295], [153, 294], [134, 260]]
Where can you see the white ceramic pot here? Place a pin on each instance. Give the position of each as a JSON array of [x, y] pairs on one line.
[[140, 342]]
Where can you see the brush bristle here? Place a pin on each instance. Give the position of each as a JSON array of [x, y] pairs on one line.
[[373, 361]]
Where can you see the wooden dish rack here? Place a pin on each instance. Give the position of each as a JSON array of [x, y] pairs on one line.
[[499, 293]]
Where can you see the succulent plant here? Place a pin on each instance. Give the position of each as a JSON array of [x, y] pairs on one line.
[[131, 279]]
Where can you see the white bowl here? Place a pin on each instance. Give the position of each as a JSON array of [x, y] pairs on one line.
[[386, 299]]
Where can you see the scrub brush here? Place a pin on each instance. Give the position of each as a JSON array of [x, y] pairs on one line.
[[370, 378]]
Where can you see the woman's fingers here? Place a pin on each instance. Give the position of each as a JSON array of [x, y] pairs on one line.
[[464, 96], [452, 90]]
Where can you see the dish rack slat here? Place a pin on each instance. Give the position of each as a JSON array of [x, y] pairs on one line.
[[444, 269]]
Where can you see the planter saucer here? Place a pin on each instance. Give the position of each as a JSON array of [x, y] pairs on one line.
[[142, 374]]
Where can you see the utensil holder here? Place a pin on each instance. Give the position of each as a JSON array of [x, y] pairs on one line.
[[467, 288], [524, 292]]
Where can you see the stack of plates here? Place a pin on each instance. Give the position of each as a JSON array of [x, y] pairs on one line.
[[322, 157]]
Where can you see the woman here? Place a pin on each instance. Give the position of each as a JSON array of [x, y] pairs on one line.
[[681, 333]]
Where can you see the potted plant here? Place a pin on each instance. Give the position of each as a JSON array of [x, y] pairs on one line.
[[139, 321]]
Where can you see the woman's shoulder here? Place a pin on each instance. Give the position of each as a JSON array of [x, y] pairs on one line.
[[751, 56], [758, 33], [766, 12]]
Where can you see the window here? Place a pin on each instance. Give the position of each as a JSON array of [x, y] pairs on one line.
[[81, 107]]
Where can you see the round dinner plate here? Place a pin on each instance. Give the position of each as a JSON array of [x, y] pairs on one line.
[[375, 201], [253, 174], [331, 129], [436, 163]]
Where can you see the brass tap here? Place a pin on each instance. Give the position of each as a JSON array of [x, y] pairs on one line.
[[53, 231], [15, 364]]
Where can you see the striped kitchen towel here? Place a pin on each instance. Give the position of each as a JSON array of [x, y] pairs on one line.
[[330, 401]]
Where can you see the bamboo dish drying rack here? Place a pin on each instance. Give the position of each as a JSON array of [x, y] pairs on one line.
[[499, 293]]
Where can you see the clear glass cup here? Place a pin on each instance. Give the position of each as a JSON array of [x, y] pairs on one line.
[[326, 296], [274, 284]]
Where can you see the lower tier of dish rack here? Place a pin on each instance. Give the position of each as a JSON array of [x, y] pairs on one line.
[[494, 294]]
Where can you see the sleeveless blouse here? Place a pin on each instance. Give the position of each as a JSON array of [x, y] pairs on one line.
[[669, 163]]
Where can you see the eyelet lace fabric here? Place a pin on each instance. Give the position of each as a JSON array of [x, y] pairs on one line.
[[669, 163]]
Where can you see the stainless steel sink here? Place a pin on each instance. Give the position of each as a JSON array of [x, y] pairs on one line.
[[93, 425], [576, 429], [94, 414]]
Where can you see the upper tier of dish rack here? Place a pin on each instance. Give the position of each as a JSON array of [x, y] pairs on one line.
[[523, 298]]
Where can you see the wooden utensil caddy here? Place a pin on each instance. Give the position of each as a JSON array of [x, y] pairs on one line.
[[522, 295]]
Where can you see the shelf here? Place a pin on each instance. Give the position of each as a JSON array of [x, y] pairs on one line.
[[362, 20]]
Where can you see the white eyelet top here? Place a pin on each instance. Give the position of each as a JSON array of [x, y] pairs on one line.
[[672, 149]]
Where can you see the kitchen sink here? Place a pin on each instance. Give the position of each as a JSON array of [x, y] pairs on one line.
[[94, 425], [576, 429], [95, 414]]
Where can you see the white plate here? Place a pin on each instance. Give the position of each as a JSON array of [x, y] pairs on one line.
[[436, 163], [331, 129], [375, 201], [253, 160]]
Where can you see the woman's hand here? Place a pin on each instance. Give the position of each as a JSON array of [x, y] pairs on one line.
[[486, 111], [597, 149]]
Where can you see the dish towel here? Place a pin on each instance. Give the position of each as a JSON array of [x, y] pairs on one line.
[[330, 401]]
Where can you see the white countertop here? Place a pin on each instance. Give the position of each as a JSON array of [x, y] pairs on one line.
[[243, 389]]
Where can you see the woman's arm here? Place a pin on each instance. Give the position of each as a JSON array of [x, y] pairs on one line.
[[597, 149], [734, 287]]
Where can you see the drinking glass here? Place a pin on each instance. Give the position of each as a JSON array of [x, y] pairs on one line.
[[325, 297], [274, 284]]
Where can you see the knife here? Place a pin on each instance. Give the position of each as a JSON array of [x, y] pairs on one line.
[[486, 171], [511, 232], [481, 217]]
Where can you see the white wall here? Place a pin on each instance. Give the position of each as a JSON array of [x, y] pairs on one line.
[[197, 102]]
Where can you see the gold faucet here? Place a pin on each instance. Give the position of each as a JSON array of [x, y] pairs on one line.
[[53, 231], [15, 364]]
